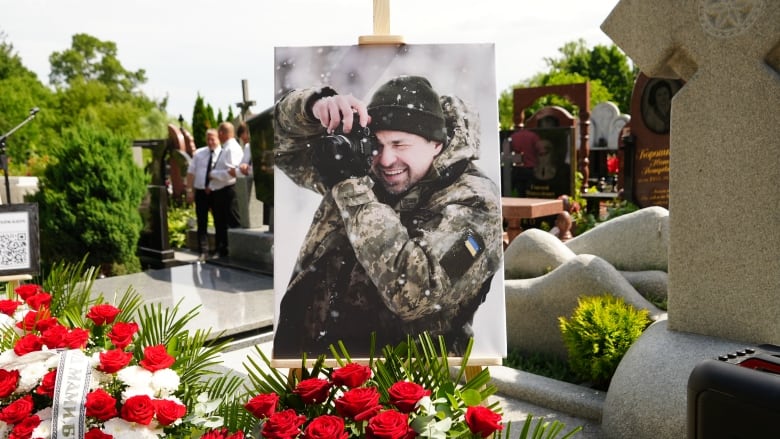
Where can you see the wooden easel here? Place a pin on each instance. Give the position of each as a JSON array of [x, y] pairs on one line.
[[14, 280], [382, 36]]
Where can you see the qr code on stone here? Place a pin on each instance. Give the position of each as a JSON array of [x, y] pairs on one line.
[[13, 248]]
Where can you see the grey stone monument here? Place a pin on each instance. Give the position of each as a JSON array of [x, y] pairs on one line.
[[724, 256]]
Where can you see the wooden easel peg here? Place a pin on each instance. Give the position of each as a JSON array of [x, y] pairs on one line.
[[13, 281], [381, 27]]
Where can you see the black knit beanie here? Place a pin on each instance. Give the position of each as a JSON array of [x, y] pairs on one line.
[[409, 104]]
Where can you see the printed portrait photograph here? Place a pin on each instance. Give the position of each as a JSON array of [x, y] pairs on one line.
[[387, 220]]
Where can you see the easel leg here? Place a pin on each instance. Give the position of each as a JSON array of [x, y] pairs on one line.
[[294, 375]]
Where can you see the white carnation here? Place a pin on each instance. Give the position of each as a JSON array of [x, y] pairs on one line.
[[165, 382], [135, 391], [135, 376], [122, 429], [30, 376]]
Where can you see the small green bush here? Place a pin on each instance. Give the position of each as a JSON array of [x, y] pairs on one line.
[[599, 333], [88, 201], [179, 218]]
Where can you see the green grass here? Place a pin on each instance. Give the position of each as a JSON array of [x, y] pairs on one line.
[[541, 364]]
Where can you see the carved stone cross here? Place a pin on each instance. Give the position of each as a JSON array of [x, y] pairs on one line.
[[724, 256]]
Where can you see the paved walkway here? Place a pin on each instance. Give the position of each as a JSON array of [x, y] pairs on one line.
[[240, 304]]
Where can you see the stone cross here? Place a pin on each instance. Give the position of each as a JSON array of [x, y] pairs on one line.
[[724, 256], [245, 102]]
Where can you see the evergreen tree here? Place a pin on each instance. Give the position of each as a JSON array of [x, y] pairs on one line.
[[200, 122], [230, 115], [219, 117], [95, 214], [210, 114]]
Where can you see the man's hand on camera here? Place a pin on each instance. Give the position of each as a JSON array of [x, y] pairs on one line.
[[332, 111], [336, 162]]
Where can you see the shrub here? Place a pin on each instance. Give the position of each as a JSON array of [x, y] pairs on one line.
[[178, 224], [599, 333], [88, 202]]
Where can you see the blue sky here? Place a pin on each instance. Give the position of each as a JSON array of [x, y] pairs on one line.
[[208, 47]]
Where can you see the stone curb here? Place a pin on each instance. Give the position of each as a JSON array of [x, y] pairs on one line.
[[571, 399]]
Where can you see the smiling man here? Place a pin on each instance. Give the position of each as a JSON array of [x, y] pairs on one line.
[[407, 236]]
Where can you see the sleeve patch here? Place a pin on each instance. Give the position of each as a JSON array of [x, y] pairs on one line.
[[462, 255]]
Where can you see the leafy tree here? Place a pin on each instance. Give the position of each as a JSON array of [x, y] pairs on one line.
[[93, 86], [606, 68], [91, 59], [20, 91], [88, 201], [607, 64], [200, 122]]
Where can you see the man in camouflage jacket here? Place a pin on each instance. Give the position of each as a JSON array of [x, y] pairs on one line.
[[405, 245]]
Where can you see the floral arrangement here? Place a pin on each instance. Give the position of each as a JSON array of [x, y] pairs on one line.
[[132, 372], [73, 365], [410, 392]]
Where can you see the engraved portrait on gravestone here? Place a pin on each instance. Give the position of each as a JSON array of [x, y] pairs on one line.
[[657, 104]]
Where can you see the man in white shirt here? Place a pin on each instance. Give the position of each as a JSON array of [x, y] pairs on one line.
[[246, 161], [224, 204], [202, 161]]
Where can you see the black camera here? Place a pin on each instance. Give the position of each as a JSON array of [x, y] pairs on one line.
[[341, 155]]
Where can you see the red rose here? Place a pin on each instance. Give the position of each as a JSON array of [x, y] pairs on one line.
[[16, 411], [483, 421], [24, 429], [223, 433], [96, 433], [389, 424], [27, 290], [38, 301], [101, 405], [76, 338], [405, 395], [121, 334], [351, 375], [9, 379], [138, 409], [283, 425], [28, 343], [326, 427], [46, 388], [8, 307], [113, 360], [54, 337], [168, 411], [156, 358], [263, 405], [312, 390], [103, 314], [28, 321], [359, 404]]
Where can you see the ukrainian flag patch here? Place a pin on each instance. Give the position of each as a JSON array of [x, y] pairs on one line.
[[457, 260], [472, 245]]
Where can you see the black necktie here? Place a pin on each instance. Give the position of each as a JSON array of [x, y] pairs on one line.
[[208, 168]]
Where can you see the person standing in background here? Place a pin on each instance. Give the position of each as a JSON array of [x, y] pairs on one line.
[[246, 161], [222, 183], [198, 190]]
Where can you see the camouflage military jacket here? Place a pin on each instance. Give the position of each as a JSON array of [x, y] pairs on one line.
[[390, 265]]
